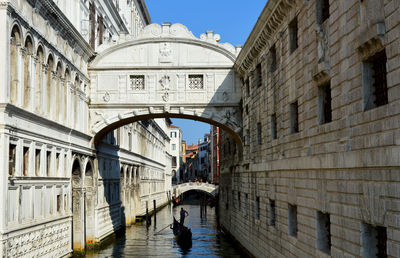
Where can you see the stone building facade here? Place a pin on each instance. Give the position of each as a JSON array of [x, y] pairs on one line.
[[320, 172], [58, 190]]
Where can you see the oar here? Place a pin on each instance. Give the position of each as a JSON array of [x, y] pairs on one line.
[[163, 229]]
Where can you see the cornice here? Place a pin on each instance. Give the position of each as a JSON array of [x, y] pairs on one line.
[[49, 10], [266, 26], [144, 11]]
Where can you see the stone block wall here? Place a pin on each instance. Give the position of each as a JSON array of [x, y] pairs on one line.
[[341, 171]]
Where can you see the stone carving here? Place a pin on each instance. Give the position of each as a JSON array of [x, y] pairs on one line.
[[165, 96], [137, 82], [165, 53], [165, 80], [322, 46], [50, 241], [196, 82], [106, 97], [98, 118]]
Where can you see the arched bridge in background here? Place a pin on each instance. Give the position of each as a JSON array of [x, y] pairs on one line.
[[165, 72], [204, 187]]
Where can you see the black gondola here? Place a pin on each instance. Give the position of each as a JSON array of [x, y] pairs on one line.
[[182, 234]]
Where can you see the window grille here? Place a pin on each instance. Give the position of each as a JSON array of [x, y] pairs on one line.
[[196, 82], [137, 82]]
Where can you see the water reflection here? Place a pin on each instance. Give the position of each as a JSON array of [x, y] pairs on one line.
[[157, 239]]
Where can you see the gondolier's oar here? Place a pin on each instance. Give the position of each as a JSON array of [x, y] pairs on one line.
[[163, 229]]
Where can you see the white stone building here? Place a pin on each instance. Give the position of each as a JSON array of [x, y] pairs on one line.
[[176, 152], [49, 164]]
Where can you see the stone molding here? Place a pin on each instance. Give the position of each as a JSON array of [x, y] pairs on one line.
[[267, 24]]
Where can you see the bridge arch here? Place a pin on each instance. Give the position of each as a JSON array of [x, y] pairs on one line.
[[165, 72], [210, 189]]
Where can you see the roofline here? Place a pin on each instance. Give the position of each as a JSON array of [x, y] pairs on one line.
[[145, 11], [266, 26]]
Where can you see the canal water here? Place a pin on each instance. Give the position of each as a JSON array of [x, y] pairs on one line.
[[157, 240]]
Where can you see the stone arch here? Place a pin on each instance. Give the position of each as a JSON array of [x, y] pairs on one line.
[[78, 203], [89, 174], [39, 77], [106, 126], [29, 48], [15, 43], [49, 90], [76, 172]]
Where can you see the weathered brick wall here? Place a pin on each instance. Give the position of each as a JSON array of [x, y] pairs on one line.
[[348, 168]]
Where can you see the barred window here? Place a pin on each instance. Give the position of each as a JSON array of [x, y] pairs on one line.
[[375, 90], [324, 232], [292, 209], [293, 35], [272, 213], [322, 8], [272, 52], [294, 117], [137, 82], [274, 134], [374, 240], [325, 103], [196, 81], [259, 134]]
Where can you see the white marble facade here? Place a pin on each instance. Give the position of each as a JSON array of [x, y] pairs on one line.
[[51, 172]]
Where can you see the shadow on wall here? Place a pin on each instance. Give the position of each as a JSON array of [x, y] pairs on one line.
[[96, 204]]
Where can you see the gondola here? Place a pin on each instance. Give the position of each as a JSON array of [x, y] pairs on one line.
[[182, 234]]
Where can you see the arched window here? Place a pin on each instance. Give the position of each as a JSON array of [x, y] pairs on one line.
[[50, 67], [15, 42], [58, 91], [27, 71], [76, 102], [39, 79], [67, 77]]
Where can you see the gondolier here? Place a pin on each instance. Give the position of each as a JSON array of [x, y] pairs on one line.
[[183, 213]]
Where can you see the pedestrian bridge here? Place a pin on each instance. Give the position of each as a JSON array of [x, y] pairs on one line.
[[165, 72], [204, 187]]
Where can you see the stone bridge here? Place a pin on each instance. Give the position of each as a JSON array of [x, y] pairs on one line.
[[204, 187], [165, 72]]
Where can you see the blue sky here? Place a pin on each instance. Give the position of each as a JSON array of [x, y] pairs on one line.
[[232, 19]]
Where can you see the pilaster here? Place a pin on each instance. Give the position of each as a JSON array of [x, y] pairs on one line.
[[20, 86], [4, 143], [4, 56]]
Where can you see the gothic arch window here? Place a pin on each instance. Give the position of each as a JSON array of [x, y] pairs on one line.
[[58, 91], [49, 91], [76, 102], [39, 78], [67, 77], [15, 43], [27, 70], [88, 175]]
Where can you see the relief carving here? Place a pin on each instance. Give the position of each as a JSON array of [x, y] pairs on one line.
[[322, 46], [165, 53]]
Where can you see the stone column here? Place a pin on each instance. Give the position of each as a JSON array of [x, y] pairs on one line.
[[61, 98], [32, 102], [20, 86], [53, 92], [43, 97], [4, 143], [5, 45], [78, 229], [90, 217]]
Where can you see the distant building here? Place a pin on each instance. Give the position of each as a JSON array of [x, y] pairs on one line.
[[176, 152], [215, 154], [204, 158]]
